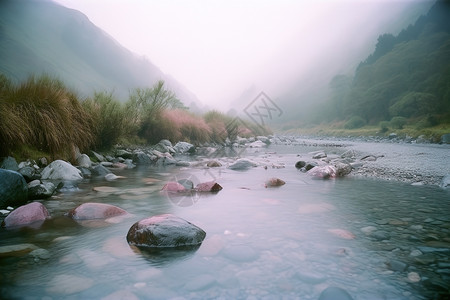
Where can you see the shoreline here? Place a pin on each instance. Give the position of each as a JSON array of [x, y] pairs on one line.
[[394, 160]]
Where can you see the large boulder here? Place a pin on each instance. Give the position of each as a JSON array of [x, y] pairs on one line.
[[90, 211], [84, 161], [9, 163], [342, 169], [242, 164], [142, 158], [165, 231], [29, 173], [61, 170], [184, 147], [100, 171], [323, 172], [26, 214], [13, 189]]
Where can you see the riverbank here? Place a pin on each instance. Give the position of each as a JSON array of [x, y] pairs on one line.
[[392, 159]]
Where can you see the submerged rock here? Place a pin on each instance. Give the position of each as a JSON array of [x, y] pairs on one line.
[[90, 211], [13, 189], [26, 214], [166, 231], [61, 170], [335, 293], [173, 186], [242, 164], [323, 172], [274, 182], [210, 186]]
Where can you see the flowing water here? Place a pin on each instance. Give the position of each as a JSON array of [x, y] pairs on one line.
[[376, 239]]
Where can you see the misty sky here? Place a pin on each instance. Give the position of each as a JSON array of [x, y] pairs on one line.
[[218, 48]]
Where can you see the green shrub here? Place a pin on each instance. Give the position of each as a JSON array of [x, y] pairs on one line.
[[398, 122], [109, 119], [355, 122], [384, 126]]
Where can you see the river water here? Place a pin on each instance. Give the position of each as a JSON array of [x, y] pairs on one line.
[[376, 239]]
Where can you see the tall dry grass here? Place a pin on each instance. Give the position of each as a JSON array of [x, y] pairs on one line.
[[44, 114]]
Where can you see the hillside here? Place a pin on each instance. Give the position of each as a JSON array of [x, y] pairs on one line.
[[40, 36], [407, 76]]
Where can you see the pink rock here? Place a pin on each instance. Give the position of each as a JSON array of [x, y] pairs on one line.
[[26, 214], [210, 186], [273, 182], [173, 186], [323, 172], [89, 211]]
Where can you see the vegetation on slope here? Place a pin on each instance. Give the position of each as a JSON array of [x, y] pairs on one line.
[[406, 79], [43, 116]]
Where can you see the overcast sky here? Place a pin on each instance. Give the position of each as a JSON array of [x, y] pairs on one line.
[[218, 48]]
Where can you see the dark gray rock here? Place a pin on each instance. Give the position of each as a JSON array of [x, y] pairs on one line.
[[184, 147], [98, 156], [100, 170], [28, 173], [380, 235], [125, 154], [165, 231], [335, 293], [342, 169], [300, 164], [85, 172], [40, 190], [9, 163], [13, 189], [166, 143], [142, 158], [396, 265]]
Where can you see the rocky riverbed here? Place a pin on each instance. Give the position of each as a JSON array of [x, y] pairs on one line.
[[357, 237]]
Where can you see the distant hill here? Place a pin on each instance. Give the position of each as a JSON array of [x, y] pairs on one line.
[[408, 76], [40, 36]]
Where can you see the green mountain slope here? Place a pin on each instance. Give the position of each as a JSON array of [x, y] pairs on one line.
[[407, 76], [39, 36]]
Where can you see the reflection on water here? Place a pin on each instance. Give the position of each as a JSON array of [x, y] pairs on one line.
[[375, 239]]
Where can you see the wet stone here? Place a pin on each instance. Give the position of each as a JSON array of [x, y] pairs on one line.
[[380, 235], [396, 265]]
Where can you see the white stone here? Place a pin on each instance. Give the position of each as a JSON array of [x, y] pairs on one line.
[[61, 170]]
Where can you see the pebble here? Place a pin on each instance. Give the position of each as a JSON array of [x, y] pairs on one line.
[[16, 250], [380, 235], [415, 253], [413, 277]]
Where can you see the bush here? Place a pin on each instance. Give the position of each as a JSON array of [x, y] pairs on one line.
[[398, 122], [42, 113], [109, 119], [355, 122], [384, 125]]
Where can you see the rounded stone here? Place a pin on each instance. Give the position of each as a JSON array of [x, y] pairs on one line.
[[13, 189], [166, 231], [26, 214], [90, 211]]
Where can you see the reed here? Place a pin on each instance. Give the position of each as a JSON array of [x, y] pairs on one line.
[[44, 114]]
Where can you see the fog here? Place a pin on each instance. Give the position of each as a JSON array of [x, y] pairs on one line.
[[226, 52]]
